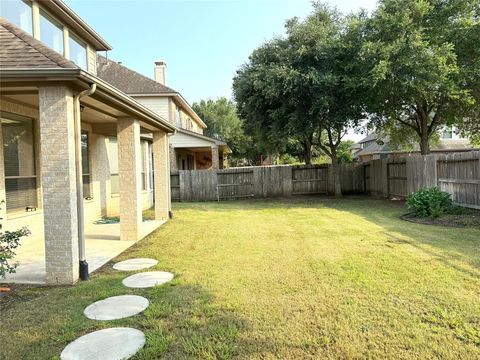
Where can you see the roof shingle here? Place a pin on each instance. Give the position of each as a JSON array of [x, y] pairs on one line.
[[127, 80]]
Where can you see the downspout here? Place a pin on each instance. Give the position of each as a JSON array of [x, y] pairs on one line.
[[79, 180]]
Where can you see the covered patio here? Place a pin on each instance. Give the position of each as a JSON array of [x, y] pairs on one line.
[[102, 243], [74, 149]]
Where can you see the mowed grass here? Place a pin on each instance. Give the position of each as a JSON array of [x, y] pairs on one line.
[[283, 279]]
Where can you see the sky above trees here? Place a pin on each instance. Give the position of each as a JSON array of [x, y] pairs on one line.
[[203, 41]]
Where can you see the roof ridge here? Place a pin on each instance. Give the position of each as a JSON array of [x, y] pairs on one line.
[[37, 45], [136, 72]]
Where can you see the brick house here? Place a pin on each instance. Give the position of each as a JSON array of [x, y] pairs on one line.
[[189, 148], [74, 148]]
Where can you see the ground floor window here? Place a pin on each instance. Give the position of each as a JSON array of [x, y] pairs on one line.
[[113, 162], [19, 162], [144, 147], [86, 166]]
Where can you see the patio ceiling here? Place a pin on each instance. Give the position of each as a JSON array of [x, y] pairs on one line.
[[101, 116]]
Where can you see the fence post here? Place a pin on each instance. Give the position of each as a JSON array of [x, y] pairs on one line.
[[181, 180], [257, 182]]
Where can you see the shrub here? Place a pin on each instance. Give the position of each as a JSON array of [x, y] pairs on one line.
[[429, 202], [9, 241]]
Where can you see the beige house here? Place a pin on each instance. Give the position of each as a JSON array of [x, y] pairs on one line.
[[73, 147], [189, 148]]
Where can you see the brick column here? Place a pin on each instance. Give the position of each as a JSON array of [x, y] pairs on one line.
[[215, 160], [173, 158], [129, 176], [57, 151], [162, 175]]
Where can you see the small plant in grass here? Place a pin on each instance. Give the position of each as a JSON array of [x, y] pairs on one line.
[[429, 202]]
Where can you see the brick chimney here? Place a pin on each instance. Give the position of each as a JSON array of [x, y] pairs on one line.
[[161, 72]]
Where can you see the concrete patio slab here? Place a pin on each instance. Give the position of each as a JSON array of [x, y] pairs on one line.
[[116, 307], [107, 344], [102, 244], [135, 264], [147, 279]]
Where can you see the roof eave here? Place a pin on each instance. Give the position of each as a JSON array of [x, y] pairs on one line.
[[125, 102], [60, 8]]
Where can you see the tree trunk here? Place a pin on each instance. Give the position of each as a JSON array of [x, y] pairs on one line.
[[424, 144], [307, 151], [424, 133], [336, 175]]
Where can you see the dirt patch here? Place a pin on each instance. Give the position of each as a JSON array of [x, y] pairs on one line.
[[470, 218]]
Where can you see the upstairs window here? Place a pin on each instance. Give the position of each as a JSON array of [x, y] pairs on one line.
[[178, 119], [51, 33], [19, 13], [78, 52]]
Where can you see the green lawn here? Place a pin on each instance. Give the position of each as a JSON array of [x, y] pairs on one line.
[[303, 278]]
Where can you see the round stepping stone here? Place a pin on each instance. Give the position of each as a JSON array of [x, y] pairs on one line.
[[116, 307], [107, 344], [135, 264], [147, 279]]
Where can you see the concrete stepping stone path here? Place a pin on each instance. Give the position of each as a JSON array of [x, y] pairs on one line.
[[116, 307], [147, 279], [107, 344], [135, 264]]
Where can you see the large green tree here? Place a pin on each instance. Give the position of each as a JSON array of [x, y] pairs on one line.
[[223, 123], [305, 86], [422, 63]]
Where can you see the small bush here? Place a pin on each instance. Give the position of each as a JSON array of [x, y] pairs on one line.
[[9, 241], [429, 202]]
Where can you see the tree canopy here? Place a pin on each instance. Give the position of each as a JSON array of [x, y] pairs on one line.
[[422, 62], [304, 86]]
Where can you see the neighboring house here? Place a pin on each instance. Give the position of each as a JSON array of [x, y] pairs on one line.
[[189, 148], [71, 150], [373, 147]]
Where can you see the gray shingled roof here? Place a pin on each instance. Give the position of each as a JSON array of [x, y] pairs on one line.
[[20, 50], [127, 80]]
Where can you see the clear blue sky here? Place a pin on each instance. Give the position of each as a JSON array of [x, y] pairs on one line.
[[202, 42]]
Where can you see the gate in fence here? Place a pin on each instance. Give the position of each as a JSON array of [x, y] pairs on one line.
[[310, 180], [459, 175], [397, 179], [235, 184], [366, 178]]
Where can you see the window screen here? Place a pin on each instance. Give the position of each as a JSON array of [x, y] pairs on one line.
[[19, 161]]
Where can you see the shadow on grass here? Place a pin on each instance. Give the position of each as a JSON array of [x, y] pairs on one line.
[[186, 321]]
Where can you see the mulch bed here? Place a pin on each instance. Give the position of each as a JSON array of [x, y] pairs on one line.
[[470, 219]]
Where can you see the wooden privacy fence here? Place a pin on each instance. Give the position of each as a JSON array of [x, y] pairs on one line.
[[261, 182], [456, 173]]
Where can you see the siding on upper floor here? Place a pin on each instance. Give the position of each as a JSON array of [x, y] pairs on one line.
[[91, 60], [185, 140], [158, 105]]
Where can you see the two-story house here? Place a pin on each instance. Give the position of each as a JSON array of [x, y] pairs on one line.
[[72, 146], [189, 148], [373, 147]]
